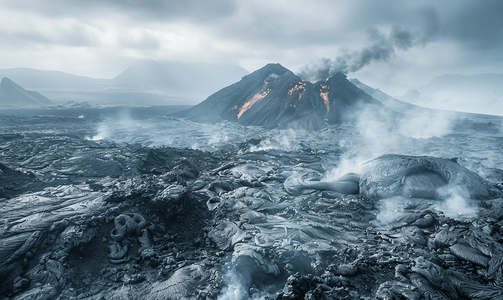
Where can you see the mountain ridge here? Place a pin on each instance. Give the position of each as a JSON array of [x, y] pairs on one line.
[[151, 83], [480, 93], [13, 95], [179, 76]]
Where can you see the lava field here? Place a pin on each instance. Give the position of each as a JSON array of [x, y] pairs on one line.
[[166, 208]]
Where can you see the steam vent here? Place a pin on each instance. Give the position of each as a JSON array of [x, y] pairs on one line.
[[274, 95]]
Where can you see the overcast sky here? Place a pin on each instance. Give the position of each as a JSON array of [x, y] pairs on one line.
[[392, 45]]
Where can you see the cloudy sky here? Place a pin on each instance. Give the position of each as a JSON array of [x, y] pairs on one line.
[[392, 45]]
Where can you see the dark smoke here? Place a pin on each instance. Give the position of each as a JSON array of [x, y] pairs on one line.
[[402, 38], [382, 48]]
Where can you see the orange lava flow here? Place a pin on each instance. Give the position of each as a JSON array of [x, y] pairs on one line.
[[301, 94], [324, 95], [325, 99], [253, 100], [298, 86]]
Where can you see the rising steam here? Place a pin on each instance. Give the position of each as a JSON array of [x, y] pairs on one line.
[[456, 204], [382, 48]]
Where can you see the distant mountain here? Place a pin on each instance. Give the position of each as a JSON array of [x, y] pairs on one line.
[[415, 97], [477, 93], [146, 82], [394, 104], [179, 77], [408, 110], [485, 86], [13, 95], [273, 95], [42, 80]]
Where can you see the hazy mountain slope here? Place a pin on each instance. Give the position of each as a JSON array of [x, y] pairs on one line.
[[40, 98], [13, 95], [414, 96], [485, 86], [476, 93], [42, 80], [146, 82], [409, 110], [182, 77], [385, 99]]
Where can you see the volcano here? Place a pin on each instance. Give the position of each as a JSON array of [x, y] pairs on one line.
[[274, 95], [13, 95]]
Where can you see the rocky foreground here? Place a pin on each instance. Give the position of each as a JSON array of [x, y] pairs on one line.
[[86, 219]]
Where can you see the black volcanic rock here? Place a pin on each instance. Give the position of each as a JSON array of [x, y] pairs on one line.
[[115, 219], [274, 95], [13, 95]]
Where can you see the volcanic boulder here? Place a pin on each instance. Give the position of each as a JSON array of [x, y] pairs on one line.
[[273, 95]]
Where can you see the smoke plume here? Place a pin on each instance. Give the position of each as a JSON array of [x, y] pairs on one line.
[[381, 48]]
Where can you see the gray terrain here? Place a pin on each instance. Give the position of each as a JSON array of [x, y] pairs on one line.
[[137, 203]]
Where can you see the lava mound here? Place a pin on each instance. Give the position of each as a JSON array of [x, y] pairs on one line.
[[273, 95]]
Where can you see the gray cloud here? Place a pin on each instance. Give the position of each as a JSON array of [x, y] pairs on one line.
[[430, 23], [143, 41], [401, 38], [158, 10], [446, 36], [476, 24], [72, 36]]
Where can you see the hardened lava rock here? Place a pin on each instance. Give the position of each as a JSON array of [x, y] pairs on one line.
[[258, 219], [419, 177]]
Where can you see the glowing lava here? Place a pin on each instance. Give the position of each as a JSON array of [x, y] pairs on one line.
[[253, 100], [298, 86], [324, 95]]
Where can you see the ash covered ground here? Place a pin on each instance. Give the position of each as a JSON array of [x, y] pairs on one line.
[[122, 207]]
